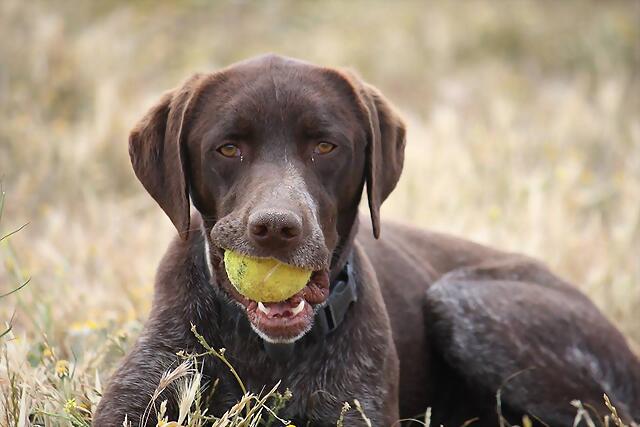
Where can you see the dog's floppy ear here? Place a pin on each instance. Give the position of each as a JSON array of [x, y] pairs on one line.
[[158, 154], [385, 151], [385, 139]]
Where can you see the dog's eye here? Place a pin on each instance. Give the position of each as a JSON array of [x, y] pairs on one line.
[[229, 150], [324, 148]]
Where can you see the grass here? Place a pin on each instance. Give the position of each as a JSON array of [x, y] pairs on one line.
[[523, 134]]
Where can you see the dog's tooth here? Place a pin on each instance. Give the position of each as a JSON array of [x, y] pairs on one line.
[[263, 308], [298, 308]]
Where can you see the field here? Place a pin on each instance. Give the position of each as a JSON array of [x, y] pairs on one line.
[[524, 133]]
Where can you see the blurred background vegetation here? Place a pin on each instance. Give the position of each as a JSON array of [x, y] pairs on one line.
[[524, 133]]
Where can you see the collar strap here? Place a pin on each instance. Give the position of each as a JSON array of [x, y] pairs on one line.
[[343, 293]]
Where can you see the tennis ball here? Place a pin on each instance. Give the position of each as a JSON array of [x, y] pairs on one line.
[[264, 279]]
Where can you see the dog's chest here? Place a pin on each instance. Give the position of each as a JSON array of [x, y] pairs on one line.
[[318, 384]]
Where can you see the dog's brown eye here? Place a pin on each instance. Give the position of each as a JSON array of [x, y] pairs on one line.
[[324, 148], [229, 150]]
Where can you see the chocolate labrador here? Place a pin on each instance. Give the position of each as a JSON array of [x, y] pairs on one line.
[[274, 155]]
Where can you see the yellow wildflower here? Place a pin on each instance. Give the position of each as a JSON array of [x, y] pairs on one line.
[[70, 406], [62, 368], [495, 213], [86, 326], [47, 352]]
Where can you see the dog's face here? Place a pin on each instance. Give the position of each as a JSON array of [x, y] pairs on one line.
[[274, 154]]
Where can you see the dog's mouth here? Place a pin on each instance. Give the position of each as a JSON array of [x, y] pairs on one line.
[[283, 321]]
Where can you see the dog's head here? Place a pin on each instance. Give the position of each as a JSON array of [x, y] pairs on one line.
[[274, 154]]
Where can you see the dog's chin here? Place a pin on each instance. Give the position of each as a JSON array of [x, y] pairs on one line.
[[285, 321]]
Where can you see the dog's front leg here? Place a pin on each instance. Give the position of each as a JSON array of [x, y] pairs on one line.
[[131, 390]]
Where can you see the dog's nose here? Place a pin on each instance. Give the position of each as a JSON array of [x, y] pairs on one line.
[[275, 229]]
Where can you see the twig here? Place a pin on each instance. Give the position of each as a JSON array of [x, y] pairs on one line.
[[10, 328], [501, 419], [16, 289], [14, 231], [212, 351]]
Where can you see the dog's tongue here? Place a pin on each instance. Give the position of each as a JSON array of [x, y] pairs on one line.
[[279, 308], [316, 291], [290, 307]]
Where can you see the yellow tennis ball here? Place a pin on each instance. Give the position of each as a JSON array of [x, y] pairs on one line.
[[264, 279]]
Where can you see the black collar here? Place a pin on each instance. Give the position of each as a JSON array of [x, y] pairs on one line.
[[343, 293]]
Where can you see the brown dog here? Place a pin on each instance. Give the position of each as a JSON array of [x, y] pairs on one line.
[[274, 153]]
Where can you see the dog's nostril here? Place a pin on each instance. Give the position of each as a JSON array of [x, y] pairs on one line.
[[290, 232], [259, 230], [274, 229]]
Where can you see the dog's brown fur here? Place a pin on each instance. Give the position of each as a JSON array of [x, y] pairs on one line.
[[440, 322]]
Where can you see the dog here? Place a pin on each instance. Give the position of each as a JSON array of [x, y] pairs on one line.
[[274, 155]]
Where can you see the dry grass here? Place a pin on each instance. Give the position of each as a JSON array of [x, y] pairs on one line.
[[524, 134]]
